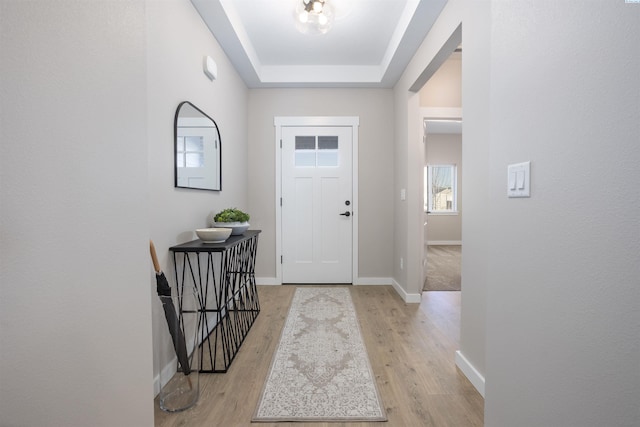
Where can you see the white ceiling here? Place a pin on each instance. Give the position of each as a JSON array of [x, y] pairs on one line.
[[369, 47]]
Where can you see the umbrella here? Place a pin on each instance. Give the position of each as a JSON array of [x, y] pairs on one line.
[[164, 290]]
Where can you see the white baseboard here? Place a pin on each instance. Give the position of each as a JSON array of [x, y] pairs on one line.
[[406, 297], [470, 372], [445, 242], [268, 281], [168, 371], [381, 281]]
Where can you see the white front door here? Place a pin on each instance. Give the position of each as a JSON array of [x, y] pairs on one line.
[[317, 204]]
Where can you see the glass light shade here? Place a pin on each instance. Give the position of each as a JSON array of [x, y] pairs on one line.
[[315, 19]]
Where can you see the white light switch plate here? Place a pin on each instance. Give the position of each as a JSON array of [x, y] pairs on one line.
[[519, 180]]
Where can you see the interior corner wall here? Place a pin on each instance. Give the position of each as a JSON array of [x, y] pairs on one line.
[[476, 146], [400, 181], [177, 41], [409, 159], [473, 16], [562, 316], [374, 107], [75, 311]]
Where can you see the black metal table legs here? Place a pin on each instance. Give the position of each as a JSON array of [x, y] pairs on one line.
[[224, 281]]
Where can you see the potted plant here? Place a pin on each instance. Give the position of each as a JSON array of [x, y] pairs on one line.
[[232, 218]]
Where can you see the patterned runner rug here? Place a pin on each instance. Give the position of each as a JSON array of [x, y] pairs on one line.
[[320, 371]]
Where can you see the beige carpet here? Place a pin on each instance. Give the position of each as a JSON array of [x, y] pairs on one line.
[[320, 371], [443, 268]]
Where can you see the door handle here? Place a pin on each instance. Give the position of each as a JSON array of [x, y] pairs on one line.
[[347, 213]]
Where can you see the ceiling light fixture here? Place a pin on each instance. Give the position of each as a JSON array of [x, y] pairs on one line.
[[313, 16]]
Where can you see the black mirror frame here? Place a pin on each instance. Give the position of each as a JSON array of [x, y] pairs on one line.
[[175, 148]]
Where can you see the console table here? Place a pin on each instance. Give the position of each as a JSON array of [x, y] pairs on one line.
[[223, 277]]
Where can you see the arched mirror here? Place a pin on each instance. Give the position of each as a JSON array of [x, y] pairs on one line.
[[198, 154]]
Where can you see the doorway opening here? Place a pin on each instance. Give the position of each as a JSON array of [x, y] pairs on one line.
[[442, 204], [441, 115]]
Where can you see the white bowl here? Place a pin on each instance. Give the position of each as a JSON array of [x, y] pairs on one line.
[[213, 235], [236, 227]]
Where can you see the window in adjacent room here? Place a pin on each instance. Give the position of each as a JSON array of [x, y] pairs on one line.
[[440, 189]]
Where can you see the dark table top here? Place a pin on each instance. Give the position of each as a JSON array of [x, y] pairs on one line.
[[200, 246]]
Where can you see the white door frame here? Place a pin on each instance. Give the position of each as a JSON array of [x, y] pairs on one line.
[[331, 121]]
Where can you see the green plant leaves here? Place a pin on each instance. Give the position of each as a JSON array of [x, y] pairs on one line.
[[231, 215]]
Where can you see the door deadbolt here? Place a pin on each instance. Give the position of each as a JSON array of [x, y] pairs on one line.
[[347, 203]]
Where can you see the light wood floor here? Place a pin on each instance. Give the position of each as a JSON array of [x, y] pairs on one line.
[[411, 348]]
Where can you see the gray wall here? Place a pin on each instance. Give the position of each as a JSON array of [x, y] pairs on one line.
[[476, 139], [444, 88], [75, 312], [375, 157], [177, 41], [550, 286], [563, 323], [89, 92]]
